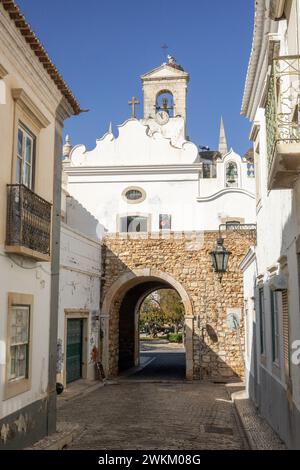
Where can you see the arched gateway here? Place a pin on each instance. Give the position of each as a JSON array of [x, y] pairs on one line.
[[121, 306], [133, 266]]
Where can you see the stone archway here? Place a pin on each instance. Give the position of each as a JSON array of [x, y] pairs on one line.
[[133, 286]]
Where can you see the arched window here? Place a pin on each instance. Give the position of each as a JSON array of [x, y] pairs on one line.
[[165, 102], [231, 175]]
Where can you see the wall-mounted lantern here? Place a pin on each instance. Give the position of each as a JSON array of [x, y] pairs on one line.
[[219, 257]]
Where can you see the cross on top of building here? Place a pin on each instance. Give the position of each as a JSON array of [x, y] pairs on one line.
[[133, 102]]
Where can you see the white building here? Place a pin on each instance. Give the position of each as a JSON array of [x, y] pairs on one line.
[[150, 177], [79, 292], [34, 101], [272, 268]]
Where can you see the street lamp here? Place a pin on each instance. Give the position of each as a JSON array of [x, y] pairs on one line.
[[219, 257]]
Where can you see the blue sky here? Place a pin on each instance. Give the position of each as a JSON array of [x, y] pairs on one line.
[[101, 48]]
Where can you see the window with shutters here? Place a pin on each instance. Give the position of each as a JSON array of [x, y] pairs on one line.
[[286, 332], [275, 325], [261, 319]]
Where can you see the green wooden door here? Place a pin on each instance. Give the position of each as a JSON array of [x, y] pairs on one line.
[[74, 349]]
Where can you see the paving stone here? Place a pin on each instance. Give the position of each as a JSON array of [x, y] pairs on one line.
[[259, 434], [145, 415]]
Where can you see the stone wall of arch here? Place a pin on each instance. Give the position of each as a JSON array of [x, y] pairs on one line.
[[214, 350]]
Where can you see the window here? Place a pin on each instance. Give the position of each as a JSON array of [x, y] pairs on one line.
[[231, 175], [261, 319], [19, 342], [25, 157], [275, 326], [134, 195], [286, 332], [134, 223]]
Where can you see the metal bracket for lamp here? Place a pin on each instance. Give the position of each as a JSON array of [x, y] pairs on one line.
[[220, 255]]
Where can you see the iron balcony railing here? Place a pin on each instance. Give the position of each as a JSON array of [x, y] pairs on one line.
[[28, 221], [282, 107], [248, 230]]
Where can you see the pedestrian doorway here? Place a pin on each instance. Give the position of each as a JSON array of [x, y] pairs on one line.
[[74, 349]]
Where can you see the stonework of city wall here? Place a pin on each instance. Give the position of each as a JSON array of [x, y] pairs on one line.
[[213, 347]]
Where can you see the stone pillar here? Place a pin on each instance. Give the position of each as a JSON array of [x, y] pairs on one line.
[[189, 349]]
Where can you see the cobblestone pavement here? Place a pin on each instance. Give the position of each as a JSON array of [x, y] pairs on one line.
[[260, 435], [145, 415]]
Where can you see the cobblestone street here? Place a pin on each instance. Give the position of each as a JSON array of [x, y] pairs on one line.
[[142, 414]]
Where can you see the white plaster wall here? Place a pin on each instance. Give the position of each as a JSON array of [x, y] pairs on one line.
[[33, 279], [79, 287], [177, 197]]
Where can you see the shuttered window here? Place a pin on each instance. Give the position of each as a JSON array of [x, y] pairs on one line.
[[262, 319], [275, 326], [286, 333]]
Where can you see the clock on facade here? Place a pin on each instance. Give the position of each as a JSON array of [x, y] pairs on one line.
[[162, 117]]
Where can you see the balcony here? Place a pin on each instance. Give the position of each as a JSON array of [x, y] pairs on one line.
[[283, 123], [28, 227]]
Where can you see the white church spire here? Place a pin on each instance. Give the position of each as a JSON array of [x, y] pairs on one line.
[[223, 149], [67, 148]]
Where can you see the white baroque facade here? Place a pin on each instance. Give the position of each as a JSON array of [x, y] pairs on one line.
[[150, 177], [272, 268]]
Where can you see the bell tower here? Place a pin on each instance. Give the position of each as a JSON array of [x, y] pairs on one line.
[[165, 91]]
